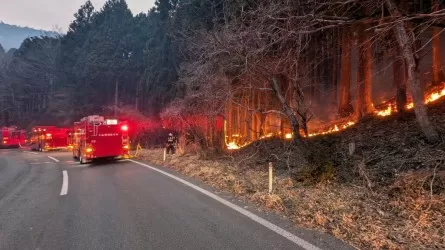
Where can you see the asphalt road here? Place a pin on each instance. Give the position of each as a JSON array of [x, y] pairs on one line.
[[56, 203]]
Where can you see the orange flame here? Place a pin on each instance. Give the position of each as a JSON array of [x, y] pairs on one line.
[[232, 145], [333, 129], [387, 111], [267, 136], [435, 95], [429, 98]]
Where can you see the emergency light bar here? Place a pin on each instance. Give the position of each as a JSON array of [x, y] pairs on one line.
[[93, 119], [111, 122]]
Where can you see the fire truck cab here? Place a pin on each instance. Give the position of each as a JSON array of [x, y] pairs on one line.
[[45, 138], [95, 137], [11, 137]]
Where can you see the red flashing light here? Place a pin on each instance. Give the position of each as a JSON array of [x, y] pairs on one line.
[[124, 128], [48, 135]]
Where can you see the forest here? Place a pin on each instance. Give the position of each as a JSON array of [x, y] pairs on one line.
[[232, 71], [344, 98]]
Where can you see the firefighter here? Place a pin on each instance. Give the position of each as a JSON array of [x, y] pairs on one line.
[[170, 145]]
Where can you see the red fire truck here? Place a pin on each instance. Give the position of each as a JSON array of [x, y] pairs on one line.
[[95, 137], [45, 138], [11, 137]]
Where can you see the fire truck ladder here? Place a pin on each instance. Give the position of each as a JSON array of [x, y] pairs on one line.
[[95, 128]]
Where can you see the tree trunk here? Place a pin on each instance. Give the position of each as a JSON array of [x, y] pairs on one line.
[[116, 97], [229, 120], [249, 115], [345, 107], [399, 81], [138, 93], [261, 114], [253, 124], [406, 43], [288, 111], [364, 74], [245, 120], [238, 120], [335, 62], [437, 74]]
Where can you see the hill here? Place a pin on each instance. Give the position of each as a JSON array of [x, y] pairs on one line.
[[11, 36]]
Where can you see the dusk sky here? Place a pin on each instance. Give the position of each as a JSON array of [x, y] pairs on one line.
[[48, 14]]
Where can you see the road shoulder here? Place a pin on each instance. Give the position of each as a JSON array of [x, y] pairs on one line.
[[321, 240]]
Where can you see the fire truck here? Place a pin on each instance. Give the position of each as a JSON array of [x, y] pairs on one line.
[[95, 137], [11, 137], [45, 138]]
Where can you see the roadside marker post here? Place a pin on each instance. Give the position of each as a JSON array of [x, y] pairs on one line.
[[270, 177], [165, 153]]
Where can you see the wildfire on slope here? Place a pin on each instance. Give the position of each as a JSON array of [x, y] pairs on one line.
[[386, 109]]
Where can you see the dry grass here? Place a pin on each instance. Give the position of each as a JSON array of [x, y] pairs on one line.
[[389, 195], [402, 216]]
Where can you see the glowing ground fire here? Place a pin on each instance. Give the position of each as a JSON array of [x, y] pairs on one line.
[[388, 110], [430, 97]]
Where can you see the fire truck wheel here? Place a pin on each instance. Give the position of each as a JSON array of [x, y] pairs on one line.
[[82, 161]]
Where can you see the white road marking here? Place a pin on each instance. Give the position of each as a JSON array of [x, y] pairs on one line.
[[52, 158], [37, 163], [295, 239], [64, 190], [30, 152]]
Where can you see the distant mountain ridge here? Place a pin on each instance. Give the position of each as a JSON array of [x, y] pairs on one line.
[[11, 36]]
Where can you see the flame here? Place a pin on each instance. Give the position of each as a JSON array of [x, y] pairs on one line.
[[232, 145], [435, 95], [385, 112], [333, 129], [267, 136], [429, 98], [388, 110]]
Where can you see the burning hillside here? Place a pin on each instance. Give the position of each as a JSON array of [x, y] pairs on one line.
[[384, 109]]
